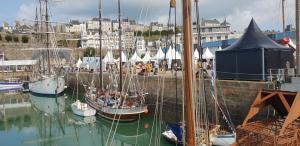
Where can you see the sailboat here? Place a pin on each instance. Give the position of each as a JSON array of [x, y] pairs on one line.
[[79, 108], [111, 103], [47, 81]]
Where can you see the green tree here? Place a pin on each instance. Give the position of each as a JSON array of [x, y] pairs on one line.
[[89, 52], [25, 39], [8, 38], [16, 38]]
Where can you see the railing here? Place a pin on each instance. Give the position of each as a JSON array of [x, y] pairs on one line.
[[280, 75]]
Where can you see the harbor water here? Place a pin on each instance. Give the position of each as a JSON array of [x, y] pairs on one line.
[[30, 120]]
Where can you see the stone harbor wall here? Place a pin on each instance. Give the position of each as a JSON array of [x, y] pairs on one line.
[[236, 95]]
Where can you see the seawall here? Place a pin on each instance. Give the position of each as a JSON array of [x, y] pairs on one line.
[[237, 95]]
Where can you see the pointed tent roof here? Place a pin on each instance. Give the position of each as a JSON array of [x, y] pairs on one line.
[[108, 57], [124, 58], [159, 55], [196, 54], [220, 48], [79, 62], [172, 54], [147, 57], [254, 38], [135, 58], [207, 54]]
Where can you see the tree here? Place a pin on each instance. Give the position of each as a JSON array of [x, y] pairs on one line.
[[0, 37], [25, 39], [89, 52], [16, 38], [8, 38]]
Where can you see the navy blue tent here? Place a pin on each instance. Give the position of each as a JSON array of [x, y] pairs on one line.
[[252, 56]]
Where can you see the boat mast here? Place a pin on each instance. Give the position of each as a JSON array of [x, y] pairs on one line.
[[298, 36], [120, 44], [199, 46], [41, 30], [47, 37], [36, 27], [283, 16], [188, 72], [100, 43]]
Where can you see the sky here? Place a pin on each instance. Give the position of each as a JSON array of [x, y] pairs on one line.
[[267, 13]]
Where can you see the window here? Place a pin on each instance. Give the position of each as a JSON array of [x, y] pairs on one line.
[[219, 38]]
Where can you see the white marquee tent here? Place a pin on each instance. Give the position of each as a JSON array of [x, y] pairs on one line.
[[207, 54], [147, 57], [160, 55], [135, 58]]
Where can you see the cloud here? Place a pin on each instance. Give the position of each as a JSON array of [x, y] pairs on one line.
[[267, 13], [26, 12]]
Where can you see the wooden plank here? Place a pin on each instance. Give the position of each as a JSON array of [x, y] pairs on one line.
[[284, 102]]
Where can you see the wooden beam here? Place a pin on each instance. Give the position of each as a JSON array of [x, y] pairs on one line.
[[284, 102], [262, 99]]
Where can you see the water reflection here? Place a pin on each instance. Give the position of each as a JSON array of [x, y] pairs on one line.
[[50, 122]]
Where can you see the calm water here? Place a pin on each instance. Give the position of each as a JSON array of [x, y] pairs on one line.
[[39, 121]]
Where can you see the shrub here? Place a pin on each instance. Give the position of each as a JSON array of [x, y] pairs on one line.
[[16, 38], [25, 39], [8, 38]]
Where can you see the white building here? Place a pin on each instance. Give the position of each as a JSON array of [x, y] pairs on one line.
[[211, 30], [140, 45], [93, 25], [155, 26], [75, 27], [109, 40]]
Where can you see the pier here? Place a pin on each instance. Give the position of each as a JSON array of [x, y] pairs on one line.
[[238, 95]]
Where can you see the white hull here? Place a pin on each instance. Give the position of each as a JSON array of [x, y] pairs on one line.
[[218, 140], [82, 110], [50, 85], [223, 140], [11, 87]]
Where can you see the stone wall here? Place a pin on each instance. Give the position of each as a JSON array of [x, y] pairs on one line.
[[237, 95]]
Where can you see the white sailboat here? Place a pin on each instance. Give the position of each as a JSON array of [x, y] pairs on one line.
[[47, 82], [79, 108], [82, 109]]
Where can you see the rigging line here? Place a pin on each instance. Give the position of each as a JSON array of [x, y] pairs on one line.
[[167, 38]]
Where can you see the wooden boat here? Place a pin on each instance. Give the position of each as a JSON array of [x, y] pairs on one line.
[[111, 106], [114, 104]]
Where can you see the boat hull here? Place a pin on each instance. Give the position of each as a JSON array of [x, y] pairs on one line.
[[122, 115], [10, 86], [52, 85], [83, 113], [223, 140]]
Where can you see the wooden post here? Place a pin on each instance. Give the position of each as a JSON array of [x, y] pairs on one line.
[[188, 73]]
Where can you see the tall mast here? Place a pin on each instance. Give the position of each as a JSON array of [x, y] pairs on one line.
[[36, 27], [298, 35], [41, 30], [283, 15], [199, 45], [120, 44], [188, 73], [100, 43], [47, 37]]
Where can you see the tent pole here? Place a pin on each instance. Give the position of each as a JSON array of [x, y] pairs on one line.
[[298, 36], [263, 64]]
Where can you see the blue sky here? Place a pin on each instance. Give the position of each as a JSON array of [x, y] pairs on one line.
[[237, 12]]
